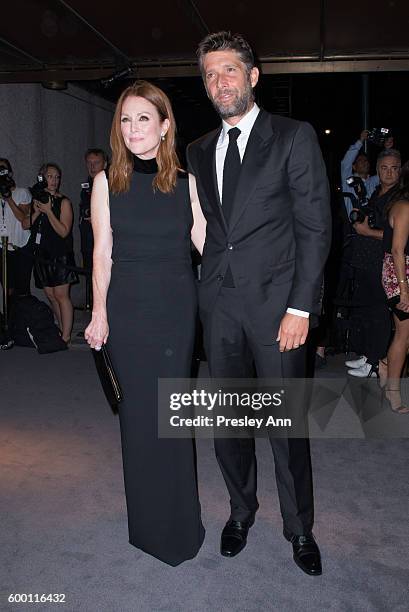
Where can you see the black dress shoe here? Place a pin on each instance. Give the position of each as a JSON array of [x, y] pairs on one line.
[[306, 553], [234, 537]]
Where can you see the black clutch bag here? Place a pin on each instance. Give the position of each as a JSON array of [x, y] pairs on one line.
[[108, 378]]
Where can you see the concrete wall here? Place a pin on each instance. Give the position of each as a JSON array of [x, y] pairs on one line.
[[38, 125]]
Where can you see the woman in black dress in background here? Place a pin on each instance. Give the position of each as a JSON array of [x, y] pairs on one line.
[[153, 210], [51, 231]]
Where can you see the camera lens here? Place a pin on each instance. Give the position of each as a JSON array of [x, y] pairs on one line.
[[356, 216]]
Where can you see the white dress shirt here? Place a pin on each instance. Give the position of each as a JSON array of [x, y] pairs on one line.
[[245, 126], [9, 225]]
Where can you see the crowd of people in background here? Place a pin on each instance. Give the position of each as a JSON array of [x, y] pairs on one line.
[[373, 269], [38, 224], [373, 276]]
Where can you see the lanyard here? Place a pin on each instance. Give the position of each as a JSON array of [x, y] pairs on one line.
[[41, 220]]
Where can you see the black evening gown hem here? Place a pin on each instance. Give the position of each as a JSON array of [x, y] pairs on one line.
[[174, 562]]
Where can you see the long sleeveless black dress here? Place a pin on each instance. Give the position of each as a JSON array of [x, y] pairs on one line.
[[151, 314]]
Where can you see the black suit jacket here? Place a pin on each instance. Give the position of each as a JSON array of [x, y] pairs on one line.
[[278, 237]]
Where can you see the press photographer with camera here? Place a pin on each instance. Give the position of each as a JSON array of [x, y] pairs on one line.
[[369, 301], [95, 160], [356, 163], [15, 205], [51, 222]]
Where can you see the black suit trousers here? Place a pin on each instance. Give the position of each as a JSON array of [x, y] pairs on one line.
[[233, 352]]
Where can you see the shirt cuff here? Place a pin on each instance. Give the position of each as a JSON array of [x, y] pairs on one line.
[[299, 313]]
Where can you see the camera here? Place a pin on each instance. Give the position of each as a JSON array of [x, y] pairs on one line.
[[378, 135], [358, 186], [358, 216], [6, 183], [38, 191]]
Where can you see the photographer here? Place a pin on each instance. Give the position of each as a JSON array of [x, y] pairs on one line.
[[356, 163], [15, 205], [96, 160], [51, 235], [369, 301]]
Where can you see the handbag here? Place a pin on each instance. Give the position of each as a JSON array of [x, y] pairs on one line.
[[108, 378]]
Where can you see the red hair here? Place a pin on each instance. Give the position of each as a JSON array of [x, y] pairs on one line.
[[120, 171]]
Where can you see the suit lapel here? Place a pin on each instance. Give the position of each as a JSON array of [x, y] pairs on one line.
[[209, 177], [256, 155]]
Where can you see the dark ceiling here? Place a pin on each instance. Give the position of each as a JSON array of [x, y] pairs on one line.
[[52, 40], [312, 53]]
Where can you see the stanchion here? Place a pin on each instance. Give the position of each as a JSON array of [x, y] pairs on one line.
[[4, 247]]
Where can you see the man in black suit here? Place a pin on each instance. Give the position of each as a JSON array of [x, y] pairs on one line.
[[262, 186]]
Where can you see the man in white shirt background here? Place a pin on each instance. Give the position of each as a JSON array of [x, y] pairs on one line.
[[14, 207], [356, 163]]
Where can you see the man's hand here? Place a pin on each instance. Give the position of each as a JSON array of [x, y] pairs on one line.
[[365, 230], [362, 228], [293, 332], [364, 135]]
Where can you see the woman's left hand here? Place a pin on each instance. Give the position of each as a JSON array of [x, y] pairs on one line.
[[97, 331], [404, 302], [45, 208]]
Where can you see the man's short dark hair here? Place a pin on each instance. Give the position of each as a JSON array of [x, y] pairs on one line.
[[388, 153], [100, 152], [360, 154], [226, 41]]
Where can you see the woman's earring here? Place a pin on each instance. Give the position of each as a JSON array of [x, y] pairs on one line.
[[162, 136]]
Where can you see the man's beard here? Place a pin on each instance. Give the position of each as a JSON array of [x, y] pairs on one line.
[[239, 104]]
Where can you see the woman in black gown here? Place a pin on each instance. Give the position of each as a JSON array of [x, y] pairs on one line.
[[153, 211]]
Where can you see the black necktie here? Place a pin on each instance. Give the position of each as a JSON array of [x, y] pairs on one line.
[[231, 172]]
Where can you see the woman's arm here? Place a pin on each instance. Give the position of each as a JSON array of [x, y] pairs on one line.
[[63, 225], [32, 213], [399, 218], [97, 331], [18, 210], [198, 232]]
